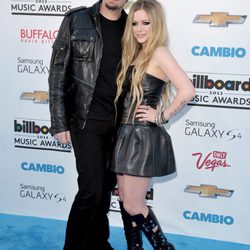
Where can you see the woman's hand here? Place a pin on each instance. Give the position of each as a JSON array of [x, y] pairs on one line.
[[146, 113]]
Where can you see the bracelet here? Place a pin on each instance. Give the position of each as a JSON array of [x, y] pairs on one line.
[[163, 118], [160, 119]]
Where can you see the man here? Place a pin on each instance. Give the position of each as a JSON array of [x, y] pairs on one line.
[[82, 89]]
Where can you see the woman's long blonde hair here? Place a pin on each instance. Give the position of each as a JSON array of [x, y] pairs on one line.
[[131, 48]]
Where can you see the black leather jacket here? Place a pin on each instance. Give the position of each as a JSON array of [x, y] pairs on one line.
[[74, 67]]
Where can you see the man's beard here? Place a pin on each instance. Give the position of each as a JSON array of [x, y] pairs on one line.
[[112, 7]]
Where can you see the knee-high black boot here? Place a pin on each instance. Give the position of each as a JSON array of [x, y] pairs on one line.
[[133, 234], [148, 225]]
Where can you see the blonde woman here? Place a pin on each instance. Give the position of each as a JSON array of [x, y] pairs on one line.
[[144, 149]]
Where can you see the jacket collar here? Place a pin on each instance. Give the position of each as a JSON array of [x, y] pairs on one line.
[[96, 8]]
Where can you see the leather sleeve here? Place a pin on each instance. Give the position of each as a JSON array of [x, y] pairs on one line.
[[59, 65]]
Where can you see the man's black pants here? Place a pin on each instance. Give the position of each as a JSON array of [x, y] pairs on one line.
[[88, 226]]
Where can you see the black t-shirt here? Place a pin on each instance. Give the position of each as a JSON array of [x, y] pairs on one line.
[[102, 105]]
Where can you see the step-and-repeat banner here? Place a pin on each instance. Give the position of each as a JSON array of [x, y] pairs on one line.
[[209, 195]]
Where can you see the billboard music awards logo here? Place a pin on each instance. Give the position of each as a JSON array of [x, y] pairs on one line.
[[35, 134], [37, 36], [208, 129], [221, 90], [211, 161], [40, 193], [40, 7], [32, 66], [114, 204]]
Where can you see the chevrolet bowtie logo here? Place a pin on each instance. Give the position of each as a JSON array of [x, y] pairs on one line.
[[36, 96], [220, 19], [208, 191]]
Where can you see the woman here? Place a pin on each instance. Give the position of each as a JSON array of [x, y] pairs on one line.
[[144, 149]]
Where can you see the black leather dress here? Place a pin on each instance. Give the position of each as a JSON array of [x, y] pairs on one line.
[[143, 148]]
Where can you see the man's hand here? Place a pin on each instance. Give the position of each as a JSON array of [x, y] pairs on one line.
[[63, 137]]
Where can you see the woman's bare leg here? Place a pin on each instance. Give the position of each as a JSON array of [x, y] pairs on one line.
[[134, 190]]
